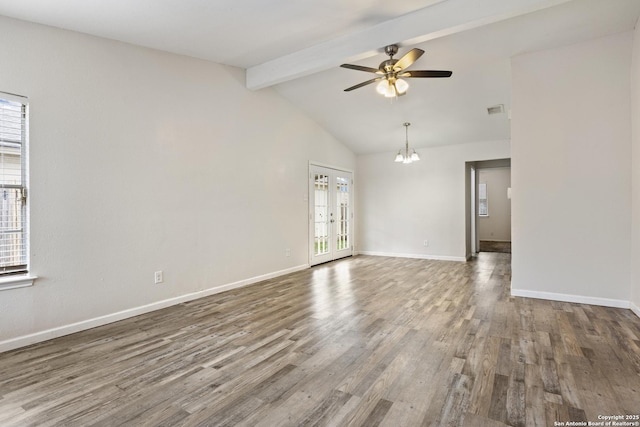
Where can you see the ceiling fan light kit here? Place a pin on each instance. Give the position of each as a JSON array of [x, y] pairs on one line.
[[392, 88], [407, 157]]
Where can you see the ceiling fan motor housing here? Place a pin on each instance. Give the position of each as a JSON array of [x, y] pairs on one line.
[[388, 65]]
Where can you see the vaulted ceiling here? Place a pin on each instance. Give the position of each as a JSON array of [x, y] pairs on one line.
[[297, 47]]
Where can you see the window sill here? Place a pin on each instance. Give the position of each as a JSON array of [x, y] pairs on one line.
[[13, 282]]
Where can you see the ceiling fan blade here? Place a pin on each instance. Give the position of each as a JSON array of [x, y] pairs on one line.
[[361, 68], [408, 59], [425, 73], [368, 82]]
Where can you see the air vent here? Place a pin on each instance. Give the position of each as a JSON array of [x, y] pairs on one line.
[[496, 109]]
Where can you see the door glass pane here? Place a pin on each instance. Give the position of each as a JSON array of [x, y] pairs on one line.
[[343, 211], [321, 214]]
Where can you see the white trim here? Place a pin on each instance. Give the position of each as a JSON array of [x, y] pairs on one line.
[[579, 299], [48, 334], [635, 309], [18, 281], [416, 256], [14, 97], [324, 165]]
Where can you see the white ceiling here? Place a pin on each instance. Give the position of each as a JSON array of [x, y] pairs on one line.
[[451, 111], [298, 45]]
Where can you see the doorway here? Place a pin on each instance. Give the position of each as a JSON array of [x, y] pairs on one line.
[[489, 206], [494, 209], [330, 214]]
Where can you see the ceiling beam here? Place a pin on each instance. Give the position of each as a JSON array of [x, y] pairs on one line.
[[438, 20]]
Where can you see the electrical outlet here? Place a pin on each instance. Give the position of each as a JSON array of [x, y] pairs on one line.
[[426, 243], [287, 252], [157, 277]]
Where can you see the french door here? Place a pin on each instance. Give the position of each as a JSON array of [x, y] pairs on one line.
[[330, 214]]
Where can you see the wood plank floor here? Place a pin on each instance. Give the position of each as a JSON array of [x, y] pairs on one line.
[[366, 341], [491, 246]]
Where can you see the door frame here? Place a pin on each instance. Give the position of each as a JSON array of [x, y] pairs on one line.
[[472, 179], [310, 211]]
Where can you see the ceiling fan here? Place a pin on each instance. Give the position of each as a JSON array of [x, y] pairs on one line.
[[392, 72]]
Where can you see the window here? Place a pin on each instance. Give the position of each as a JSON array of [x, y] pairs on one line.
[[483, 203], [13, 190]]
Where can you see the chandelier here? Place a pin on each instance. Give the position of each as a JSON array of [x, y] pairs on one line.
[[407, 157]]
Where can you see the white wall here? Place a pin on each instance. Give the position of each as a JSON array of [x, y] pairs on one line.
[[635, 123], [399, 206], [496, 226], [571, 173], [143, 161]]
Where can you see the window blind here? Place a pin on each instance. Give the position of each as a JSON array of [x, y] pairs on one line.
[[13, 192]]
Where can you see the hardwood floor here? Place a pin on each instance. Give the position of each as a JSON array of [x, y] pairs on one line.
[[491, 246], [363, 341]]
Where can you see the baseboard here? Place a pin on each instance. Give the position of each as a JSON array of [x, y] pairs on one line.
[[48, 334], [579, 299], [497, 241], [635, 309], [416, 256]]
